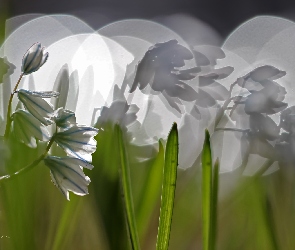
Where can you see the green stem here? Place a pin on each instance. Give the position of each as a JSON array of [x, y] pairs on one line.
[[224, 106], [8, 118], [126, 182], [30, 166]]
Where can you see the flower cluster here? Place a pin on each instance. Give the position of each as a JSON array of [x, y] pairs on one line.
[[30, 124], [254, 115]]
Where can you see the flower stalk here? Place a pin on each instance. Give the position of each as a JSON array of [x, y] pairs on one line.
[[8, 117], [30, 166]]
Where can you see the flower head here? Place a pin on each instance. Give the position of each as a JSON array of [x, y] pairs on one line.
[[26, 128], [34, 103], [77, 141], [33, 59], [266, 95], [159, 72], [67, 174]]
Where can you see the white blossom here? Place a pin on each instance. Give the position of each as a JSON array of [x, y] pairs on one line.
[[67, 174], [77, 141], [34, 103]]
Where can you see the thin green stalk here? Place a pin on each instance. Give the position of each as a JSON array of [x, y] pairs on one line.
[[8, 117], [263, 215], [126, 182], [30, 166], [270, 223], [4, 14], [168, 189], [206, 191], [215, 185], [67, 224]]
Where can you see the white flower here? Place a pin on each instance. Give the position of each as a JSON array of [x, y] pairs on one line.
[[119, 112], [65, 118], [67, 174], [33, 59], [77, 141], [26, 128], [34, 103]]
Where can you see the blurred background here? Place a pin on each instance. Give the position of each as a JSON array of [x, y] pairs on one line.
[[256, 214]]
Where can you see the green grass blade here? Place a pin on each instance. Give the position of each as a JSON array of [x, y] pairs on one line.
[[263, 215], [206, 191], [126, 182], [67, 223], [215, 185], [168, 189], [150, 192]]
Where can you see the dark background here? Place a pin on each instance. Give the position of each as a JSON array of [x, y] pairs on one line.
[[223, 16]]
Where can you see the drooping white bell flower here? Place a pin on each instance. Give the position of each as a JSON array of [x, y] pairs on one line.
[[33, 59], [77, 141], [27, 128], [34, 103], [67, 174]]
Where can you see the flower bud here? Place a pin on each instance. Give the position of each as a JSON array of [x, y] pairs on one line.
[[34, 59]]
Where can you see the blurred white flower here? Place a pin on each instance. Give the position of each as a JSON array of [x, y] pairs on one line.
[[33, 59], [67, 174], [77, 141], [27, 128], [159, 72], [34, 103], [6, 69], [64, 118]]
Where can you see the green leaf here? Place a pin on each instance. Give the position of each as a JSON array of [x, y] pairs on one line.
[[168, 189], [213, 223], [126, 182], [206, 191], [67, 223], [150, 193]]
